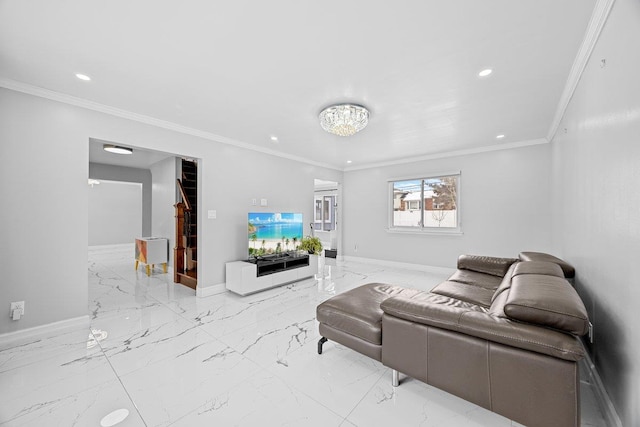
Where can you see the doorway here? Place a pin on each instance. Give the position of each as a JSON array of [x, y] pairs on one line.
[[156, 172], [326, 215]]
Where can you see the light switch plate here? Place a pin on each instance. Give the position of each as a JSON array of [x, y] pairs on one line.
[[263, 202], [212, 214]]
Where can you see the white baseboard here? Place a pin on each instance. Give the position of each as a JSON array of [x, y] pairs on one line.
[[9, 338], [608, 410], [408, 266], [202, 292]]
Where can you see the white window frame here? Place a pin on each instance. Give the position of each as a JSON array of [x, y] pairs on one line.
[[422, 229]]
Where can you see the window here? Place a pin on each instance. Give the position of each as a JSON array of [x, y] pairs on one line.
[[426, 204]]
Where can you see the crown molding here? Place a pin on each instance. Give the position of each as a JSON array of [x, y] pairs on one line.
[[129, 115], [466, 152], [594, 29], [141, 118]]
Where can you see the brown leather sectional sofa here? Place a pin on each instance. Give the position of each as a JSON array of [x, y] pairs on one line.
[[500, 332]]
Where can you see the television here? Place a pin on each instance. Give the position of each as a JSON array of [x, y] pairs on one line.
[[273, 232]]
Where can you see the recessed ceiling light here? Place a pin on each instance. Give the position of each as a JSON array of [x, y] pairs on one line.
[[349, 161], [485, 73], [116, 149], [274, 138], [499, 136], [83, 77]]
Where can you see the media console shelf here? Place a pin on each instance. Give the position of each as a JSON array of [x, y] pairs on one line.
[[255, 275]]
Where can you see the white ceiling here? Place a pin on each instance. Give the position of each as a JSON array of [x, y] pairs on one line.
[[140, 158], [243, 71]]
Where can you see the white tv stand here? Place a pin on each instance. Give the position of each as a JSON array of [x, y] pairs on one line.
[[244, 277]]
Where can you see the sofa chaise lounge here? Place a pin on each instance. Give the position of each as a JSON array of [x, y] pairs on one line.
[[500, 332]]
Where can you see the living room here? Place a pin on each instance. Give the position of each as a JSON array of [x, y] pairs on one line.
[[566, 187]]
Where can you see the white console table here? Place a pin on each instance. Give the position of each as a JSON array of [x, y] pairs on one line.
[[242, 276]]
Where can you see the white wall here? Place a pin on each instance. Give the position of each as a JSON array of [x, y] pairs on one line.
[[504, 207], [115, 212], [163, 177], [45, 145], [288, 187], [44, 217], [127, 174], [597, 220]]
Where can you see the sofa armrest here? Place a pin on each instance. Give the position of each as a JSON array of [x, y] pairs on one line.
[[485, 264], [447, 313]]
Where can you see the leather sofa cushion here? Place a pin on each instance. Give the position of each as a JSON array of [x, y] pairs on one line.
[[465, 292], [567, 268], [485, 264], [526, 267], [474, 278], [505, 284], [547, 300], [357, 312]]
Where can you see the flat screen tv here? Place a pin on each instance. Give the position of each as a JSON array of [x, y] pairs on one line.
[[273, 232]]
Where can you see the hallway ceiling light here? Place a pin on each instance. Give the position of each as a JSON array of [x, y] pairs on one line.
[[83, 77], [485, 73], [116, 149], [344, 119]]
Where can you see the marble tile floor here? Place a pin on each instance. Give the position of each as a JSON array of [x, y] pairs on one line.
[[163, 357]]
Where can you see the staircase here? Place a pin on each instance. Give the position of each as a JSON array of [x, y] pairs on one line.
[[186, 250]]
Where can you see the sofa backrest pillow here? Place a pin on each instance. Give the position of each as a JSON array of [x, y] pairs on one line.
[[485, 264], [547, 300], [538, 267], [567, 269]]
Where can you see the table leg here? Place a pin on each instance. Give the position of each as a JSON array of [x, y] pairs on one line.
[[148, 270], [137, 265], [164, 267]]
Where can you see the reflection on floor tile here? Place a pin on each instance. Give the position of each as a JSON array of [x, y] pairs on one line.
[[159, 356], [417, 403], [261, 400]]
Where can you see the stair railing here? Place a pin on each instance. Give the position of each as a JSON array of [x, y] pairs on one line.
[[183, 233], [185, 199]]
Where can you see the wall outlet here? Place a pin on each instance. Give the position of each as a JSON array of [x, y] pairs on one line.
[[17, 310]]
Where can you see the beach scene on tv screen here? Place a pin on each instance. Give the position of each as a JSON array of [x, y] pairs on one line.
[[274, 232]]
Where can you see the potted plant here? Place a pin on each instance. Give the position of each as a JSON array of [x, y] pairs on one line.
[[311, 245]]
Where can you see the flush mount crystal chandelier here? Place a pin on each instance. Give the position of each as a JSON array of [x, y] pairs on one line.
[[344, 119]]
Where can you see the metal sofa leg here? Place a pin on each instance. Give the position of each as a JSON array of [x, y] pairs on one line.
[[394, 378], [322, 341]]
